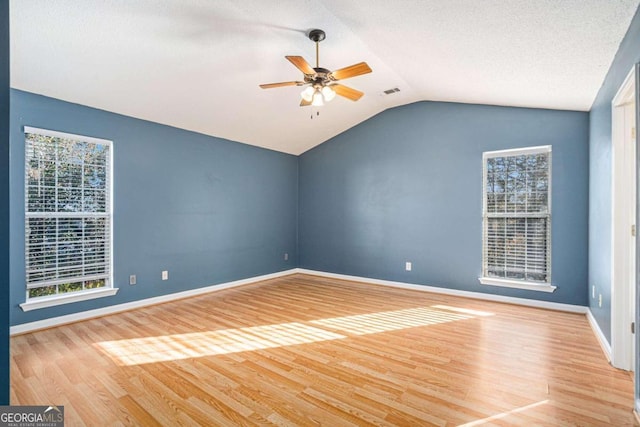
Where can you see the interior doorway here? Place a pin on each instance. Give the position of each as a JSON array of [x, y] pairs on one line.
[[623, 271]]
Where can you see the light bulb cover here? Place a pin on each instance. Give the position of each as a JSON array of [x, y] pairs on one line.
[[307, 94], [328, 93], [318, 99]]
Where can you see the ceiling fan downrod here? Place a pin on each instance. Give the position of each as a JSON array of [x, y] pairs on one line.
[[317, 36]]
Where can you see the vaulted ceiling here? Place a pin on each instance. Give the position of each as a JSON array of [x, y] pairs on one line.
[[197, 64]]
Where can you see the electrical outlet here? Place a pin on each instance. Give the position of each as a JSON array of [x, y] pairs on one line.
[[165, 275], [600, 300], [593, 291], [407, 266], [286, 257], [132, 279]]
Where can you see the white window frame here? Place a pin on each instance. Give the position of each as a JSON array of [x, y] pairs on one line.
[[514, 283], [66, 298]]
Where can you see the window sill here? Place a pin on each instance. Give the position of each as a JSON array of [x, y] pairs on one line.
[[66, 299], [518, 284]]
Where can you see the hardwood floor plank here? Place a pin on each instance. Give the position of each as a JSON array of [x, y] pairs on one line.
[[132, 414], [344, 409], [304, 350]]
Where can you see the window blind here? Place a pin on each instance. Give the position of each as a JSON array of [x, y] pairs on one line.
[[67, 213], [517, 214]]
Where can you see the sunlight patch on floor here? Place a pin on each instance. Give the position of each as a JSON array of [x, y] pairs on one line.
[[164, 348], [384, 321], [463, 310], [199, 344], [504, 414]]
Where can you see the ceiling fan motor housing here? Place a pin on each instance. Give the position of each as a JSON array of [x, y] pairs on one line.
[[321, 76]]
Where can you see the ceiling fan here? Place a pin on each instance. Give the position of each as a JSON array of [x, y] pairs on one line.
[[321, 83]]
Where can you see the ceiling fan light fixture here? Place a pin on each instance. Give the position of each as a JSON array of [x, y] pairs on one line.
[[307, 94], [328, 93], [318, 99]]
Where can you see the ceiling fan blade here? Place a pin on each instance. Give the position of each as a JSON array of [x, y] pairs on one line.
[[350, 71], [281, 84], [301, 64], [347, 92], [304, 103]]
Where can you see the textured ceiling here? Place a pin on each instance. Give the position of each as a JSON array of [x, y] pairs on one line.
[[197, 64]]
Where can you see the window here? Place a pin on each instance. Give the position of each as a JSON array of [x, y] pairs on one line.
[[516, 248], [67, 218]]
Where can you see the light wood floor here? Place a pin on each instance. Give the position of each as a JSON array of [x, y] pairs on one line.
[[303, 350]]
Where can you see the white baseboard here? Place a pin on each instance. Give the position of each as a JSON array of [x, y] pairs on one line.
[[75, 317], [454, 292], [99, 312], [602, 340]]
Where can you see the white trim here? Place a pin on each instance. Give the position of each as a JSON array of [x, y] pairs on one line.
[[516, 151], [44, 302], [99, 312], [625, 93], [454, 292], [517, 284], [90, 314], [111, 184], [602, 340], [636, 303], [64, 135], [622, 172]]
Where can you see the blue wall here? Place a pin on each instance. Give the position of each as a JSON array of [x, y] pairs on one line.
[[205, 209], [406, 185], [600, 175], [4, 202]]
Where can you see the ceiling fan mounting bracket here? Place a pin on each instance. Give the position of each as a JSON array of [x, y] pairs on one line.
[[316, 35]]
